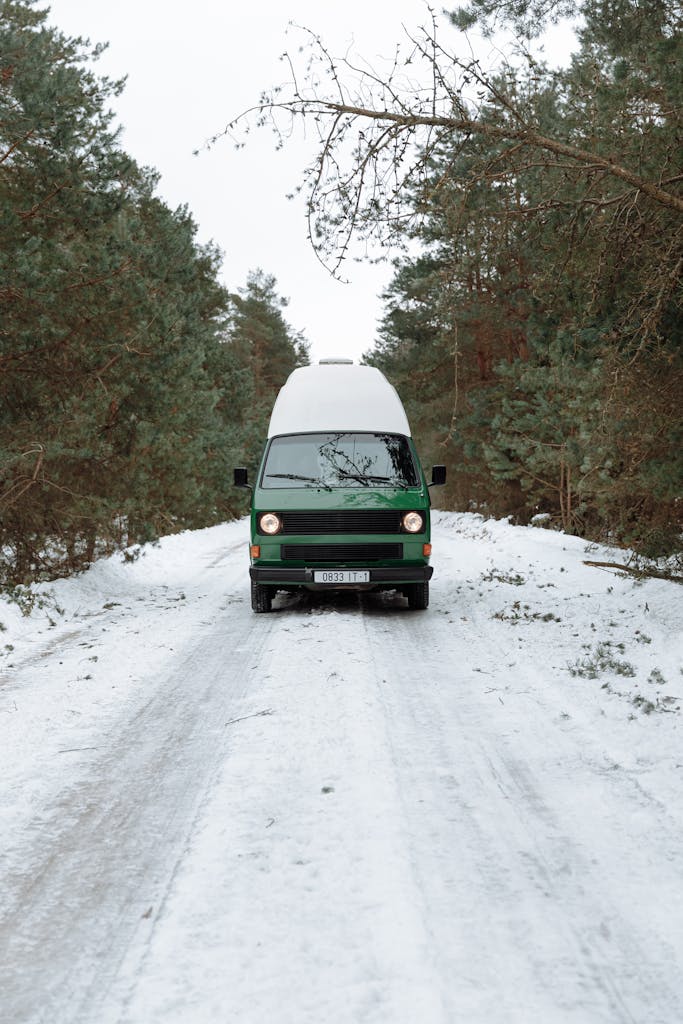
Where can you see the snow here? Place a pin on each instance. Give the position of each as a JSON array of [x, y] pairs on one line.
[[344, 811], [338, 397]]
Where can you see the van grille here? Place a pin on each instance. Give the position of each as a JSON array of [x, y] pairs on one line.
[[342, 521], [339, 552]]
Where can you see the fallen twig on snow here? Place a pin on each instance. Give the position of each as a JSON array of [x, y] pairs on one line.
[[256, 714], [660, 574]]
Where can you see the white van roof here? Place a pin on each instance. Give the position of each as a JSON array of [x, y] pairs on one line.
[[337, 395]]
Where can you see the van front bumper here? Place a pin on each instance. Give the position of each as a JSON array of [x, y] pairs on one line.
[[378, 575]]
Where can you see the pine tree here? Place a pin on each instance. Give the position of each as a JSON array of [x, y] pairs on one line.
[[267, 349], [555, 298], [126, 376]]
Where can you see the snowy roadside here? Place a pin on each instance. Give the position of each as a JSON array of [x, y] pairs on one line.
[[345, 811], [80, 660], [623, 631], [596, 624]]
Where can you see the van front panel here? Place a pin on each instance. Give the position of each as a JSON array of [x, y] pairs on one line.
[[357, 523]]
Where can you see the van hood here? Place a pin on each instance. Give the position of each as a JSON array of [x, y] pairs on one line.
[[314, 498]]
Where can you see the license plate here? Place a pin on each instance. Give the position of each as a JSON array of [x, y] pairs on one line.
[[335, 576]]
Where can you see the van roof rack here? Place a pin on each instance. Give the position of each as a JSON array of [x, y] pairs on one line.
[[334, 361]]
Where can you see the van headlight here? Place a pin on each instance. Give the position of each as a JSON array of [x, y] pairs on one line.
[[413, 522], [270, 523]]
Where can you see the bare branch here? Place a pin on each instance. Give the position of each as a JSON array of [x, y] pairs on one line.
[[377, 132]]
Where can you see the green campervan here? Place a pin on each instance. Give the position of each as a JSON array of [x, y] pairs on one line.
[[340, 500]]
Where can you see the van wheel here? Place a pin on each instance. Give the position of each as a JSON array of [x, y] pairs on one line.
[[418, 596], [261, 597]]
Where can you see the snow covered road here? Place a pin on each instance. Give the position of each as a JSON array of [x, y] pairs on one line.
[[344, 811]]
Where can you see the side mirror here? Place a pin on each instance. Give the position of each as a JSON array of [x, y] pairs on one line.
[[438, 476], [240, 477]]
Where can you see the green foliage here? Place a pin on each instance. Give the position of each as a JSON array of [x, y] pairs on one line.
[[522, 613], [258, 350], [126, 384], [602, 659], [528, 16], [538, 336], [514, 578]]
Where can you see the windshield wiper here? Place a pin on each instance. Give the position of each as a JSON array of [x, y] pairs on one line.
[[365, 478], [295, 476]]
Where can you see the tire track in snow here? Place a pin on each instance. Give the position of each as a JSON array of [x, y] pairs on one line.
[[298, 879], [405, 840], [106, 850], [519, 917]]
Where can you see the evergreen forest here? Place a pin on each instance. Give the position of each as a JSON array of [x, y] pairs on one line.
[[532, 325], [535, 329], [131, 380]]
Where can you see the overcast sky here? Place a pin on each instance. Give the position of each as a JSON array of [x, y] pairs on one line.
[[192, 67]]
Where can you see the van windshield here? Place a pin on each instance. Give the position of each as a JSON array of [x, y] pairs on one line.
[[339, 460]]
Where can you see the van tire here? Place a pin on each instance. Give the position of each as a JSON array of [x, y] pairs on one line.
[[261, 597], [418, 596]]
